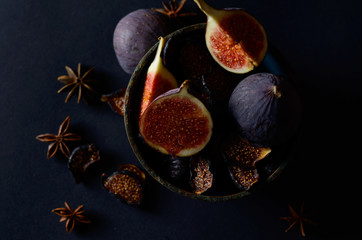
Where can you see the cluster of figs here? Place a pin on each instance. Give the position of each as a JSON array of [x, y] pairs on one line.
[[208, 108]]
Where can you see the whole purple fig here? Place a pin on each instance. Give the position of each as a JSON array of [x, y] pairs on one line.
[[266, 108], [136, 33]]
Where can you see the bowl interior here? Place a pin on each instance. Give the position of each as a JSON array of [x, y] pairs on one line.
[[153, 161]]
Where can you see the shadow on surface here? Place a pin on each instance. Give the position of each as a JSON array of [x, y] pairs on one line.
[[324, 172]]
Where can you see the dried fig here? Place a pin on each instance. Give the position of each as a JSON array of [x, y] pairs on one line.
[[238, 151], [133, 169], [242, 177], [116, 100], [124, 185], [81, 158], [201, 176], [175, 168]]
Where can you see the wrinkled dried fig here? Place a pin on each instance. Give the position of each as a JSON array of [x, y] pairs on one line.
[[116, 100], [81, 158], [201, 176], [242, 177], [238, 151], [124, 185], [133, 169]]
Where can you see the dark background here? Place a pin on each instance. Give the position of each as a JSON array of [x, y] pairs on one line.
[[321, 41]]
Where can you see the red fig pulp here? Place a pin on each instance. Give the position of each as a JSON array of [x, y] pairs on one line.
[[176, 123]]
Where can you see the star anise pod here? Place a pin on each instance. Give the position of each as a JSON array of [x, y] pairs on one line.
[[173, 10], [296, 218], [58, 140], [71, 216], [75, 81]]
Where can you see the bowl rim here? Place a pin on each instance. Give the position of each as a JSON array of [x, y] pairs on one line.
[[145, 62]]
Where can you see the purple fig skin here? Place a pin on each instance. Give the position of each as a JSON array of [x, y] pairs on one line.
[[266, 108], [136, 33], [169, 92]]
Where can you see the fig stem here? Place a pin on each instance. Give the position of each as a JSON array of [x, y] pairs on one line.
[[277, 92], [206, 8], [185, 84], [161, 44], [157, 64]]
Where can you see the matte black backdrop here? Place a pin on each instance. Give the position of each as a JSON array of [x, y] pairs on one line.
[[320, 39]]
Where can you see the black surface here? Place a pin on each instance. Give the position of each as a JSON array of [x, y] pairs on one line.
[[321, 41]]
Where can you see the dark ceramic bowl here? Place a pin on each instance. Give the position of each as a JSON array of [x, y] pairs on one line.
[[151, 160]]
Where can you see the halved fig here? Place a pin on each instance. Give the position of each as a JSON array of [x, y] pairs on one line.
[[124, 185], [177, 123], [81, 158], [133, 169], [158, 79], [201, 176], [238, 151], [116, 100], [242, 177], [235, 39]]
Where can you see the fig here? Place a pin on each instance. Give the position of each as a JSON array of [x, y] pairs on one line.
[[125, 185], [81, 158], [158, 79], [189, 58], [238, 151], [266, 108], [242, 177], [241, 157], [176, 123], [139, 30], [116, 100], [201, 176], [136, 33], [175, 168], [234, 38], [133, 169]]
